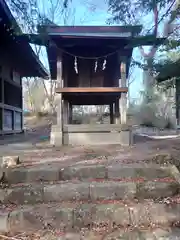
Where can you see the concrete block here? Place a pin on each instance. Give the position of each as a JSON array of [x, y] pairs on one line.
[[84, 172], [53, 216], [112, 190], [66, 192], [175, 172], [155, 190], [139, 215], [162, 234], [68, 236], [149, 234], [163, 214], [14, 176], [98, 128], [152, 172], [126, 138], [23, 195], [110, 214], [2, 174], [48, 193], [65, 140], [137, 171], [124, 234], [152, 234], [27, 175], [4, 222], [16, 220], [63, 218], [32, 219], [120, 172], [83, 235], [72, 216], [91, 135], [148, 214], [83, 216], [42, 216], [56, 137], [3, 194], [94, 138], [44, 173]]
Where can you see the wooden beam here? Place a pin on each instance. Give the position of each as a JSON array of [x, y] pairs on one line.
[[59, 69], [10, 107], [91, 98], [123, 73], [92, 90], [116, 110], [123, 99], [111, 108]]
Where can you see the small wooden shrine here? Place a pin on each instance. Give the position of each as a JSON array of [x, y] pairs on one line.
[[91, 66]]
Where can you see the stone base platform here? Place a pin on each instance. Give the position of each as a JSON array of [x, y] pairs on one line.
[[91, 134]]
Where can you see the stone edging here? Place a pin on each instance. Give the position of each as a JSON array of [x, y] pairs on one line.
[[175, 172]]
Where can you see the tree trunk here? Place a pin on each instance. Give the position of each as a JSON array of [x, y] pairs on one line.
[[51, 96], [148, 57]]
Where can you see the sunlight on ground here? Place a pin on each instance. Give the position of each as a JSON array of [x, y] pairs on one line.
[[160, 137]]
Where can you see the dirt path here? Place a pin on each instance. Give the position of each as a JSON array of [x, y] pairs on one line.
[[42, 153], [33, 147]]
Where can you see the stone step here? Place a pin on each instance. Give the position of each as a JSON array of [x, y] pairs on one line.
[[81, 172], [69, 217], [153, 234], [88, 191], [110, 234]]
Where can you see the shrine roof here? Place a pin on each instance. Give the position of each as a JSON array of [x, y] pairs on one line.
[[27, 62], [89, 41], [91, 31]]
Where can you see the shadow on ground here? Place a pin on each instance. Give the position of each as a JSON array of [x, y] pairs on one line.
[[38, 135]]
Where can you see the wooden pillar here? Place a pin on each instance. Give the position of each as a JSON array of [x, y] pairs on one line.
[[13, 120], [22, 122], [123, 99], [2, 100], [116, 110], [59, 84], [111, 113], [70, 113], [2, 90], [21, 101], [178, 102], [65, 112]]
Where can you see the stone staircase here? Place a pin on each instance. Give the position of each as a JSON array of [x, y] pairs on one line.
[[91, 201]]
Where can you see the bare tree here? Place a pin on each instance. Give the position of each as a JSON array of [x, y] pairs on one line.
[[133, 12]]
